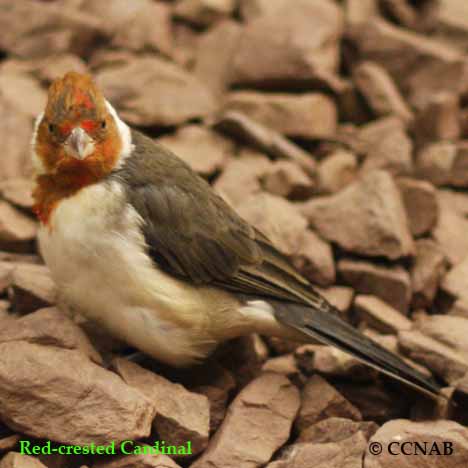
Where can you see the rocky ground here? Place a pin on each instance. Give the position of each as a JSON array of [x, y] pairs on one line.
[[338, 129]]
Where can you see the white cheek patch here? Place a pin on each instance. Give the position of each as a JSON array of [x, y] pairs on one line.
[[36, 160], [125, 134]]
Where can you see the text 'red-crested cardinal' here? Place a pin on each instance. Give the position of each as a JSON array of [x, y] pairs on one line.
[[140, 244]]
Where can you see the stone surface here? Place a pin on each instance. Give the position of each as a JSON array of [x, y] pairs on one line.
[[345, 453], [59, 394], [426, 272], [14, 225], [420, 200], [366, 218], [204, 12], [181, 415], [292, 44], [336, 171], [391, 284], [310, 115], [455, 281], [257, 423], [380, 92], [425, 434], [205, 151], [18, 460], [379, 315], [139, 461], [445, 362], [18, 192], [136, 83], [320, 401]]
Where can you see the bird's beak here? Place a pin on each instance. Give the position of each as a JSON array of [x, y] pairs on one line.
[[79, 144]]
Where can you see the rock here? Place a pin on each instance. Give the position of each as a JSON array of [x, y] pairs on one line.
[[379, 315], [451, 200], [336, 429], [139, 461], [251, 9], [15, 226], [186, 42], [31, 29], [314, 260], [320, 401], [445, 362], [287, 179], [181, 415], [366, 218], [250, 167], [439, 119], [455, 281], [214, 53], [451, 331], [205, 151], [332, 362], [15, 134], [420, 200], [49, 327], [285, 365], [31, 288], [359, 12], [430, 435], [339, 296], [347, 452], [309, 115], [392, 284], [49, 68], [134, 85], [17, 191], [277, 219], [6, 275], [257, 423], [138, 26], [18, 460], [459, 308], [337, 171], [380, 92], [9, 442], [414, 16], [435, 162], [264, 139], [289, 45], [204, 12], [408, 54], [426, 272], [70, 399]]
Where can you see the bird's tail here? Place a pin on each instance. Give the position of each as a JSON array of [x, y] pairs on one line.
[[321, 322]]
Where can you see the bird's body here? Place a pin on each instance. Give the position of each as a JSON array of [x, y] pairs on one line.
[[141, 245]]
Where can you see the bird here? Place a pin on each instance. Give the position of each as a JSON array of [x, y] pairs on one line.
[[145, 249]]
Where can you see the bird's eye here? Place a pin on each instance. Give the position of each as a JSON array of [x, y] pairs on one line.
[[103, 124], [51, 128]]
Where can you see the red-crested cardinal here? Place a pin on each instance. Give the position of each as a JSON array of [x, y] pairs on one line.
[[140, 244]]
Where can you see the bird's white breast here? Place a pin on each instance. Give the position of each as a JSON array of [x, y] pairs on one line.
[[96, 253]]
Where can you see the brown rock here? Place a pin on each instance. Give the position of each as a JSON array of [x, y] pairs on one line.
[[456, 281], [258, 422], [425, 434], [414, 16], [311, 115], [18, 460], [359, 12], [272, 143], [379, 315], [6, 275], [439, 119], [451, 200], [287, 179], [347, 452], [251, 9], [250, 167], [426, 272], [320, 401], [134, 85], [205, 151], [367, 217], [70, 399], [336, 429], [15, 134], [18, 192], [339, 296], [438, 357], [459, 308], [391, 284], [9, 442], [277, 219], [290, 44], [139, 461], [419, 198], [49, 68], [32, 287], [285, 365], [49, 327], [204, 12], [380, 92], [214, 52], [181, 415], [14, 225], [435, 162], [337, 171]]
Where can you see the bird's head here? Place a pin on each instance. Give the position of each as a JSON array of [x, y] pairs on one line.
[[79, 132]]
